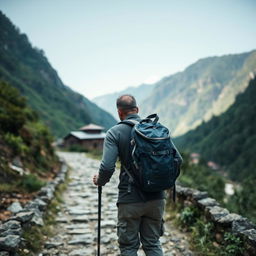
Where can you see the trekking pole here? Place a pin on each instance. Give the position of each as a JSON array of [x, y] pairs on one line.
[[99, 217]]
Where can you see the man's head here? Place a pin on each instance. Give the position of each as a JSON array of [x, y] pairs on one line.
[[126, 105]]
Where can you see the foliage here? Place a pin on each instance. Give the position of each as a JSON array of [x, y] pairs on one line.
[[244, 199], [207, 87], [27, 69], [12, 116], [203, 236], [24, 138], [202, 232], [32, 183], [188, 216], [230, 139], [16, 143], [233, 245], [201, 177]]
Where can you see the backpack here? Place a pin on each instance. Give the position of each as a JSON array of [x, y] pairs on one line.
[[154, 166]]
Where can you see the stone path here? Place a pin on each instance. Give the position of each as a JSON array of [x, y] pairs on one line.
[[76, 229]]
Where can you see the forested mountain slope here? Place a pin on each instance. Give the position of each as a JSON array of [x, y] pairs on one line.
[[26, 68], [206, 88], [228, 139], [108, 101], [26, 153]]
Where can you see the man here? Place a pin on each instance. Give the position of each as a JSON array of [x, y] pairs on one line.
[[140, 214]]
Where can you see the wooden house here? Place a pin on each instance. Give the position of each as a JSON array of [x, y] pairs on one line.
[[89, 137]]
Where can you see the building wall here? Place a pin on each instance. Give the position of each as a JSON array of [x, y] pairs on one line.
[[96, 144], [93, 144]]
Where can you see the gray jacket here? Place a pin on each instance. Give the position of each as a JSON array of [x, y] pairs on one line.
[[116, 144]]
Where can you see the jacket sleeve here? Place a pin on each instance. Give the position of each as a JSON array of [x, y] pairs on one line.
[[108, 163]]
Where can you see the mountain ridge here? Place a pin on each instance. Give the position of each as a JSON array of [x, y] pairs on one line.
[[209, 86], [228, 139], [27, 68]]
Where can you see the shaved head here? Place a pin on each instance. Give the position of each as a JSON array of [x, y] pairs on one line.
[[126, 101]]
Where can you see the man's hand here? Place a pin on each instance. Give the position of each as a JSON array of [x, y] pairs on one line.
[[95, 179]]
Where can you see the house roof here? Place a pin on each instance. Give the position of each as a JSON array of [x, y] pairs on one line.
[[87, 136], [91, 127]]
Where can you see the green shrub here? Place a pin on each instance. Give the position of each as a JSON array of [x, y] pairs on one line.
[[233, 246], [188, 216], [202, 233], [32, 183], [15, 143], [201, 177]]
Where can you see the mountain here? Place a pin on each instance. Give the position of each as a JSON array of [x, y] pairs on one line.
[[108, 101], [27, 68], [228, 139], [27, 157], [206, 88]]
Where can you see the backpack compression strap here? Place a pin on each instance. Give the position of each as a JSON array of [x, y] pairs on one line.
[[131, 123]]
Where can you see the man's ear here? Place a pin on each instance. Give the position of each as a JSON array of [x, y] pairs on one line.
[[120, 114], [137, 110]]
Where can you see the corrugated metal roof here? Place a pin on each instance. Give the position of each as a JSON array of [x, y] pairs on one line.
[[91, 127], [88, 136]]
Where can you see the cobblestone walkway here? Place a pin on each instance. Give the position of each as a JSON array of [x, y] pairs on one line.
[[76, 227]]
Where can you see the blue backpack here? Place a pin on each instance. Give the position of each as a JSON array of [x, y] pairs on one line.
[[154, 166]]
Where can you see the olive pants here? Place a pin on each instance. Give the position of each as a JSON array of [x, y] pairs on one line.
[[140, 222]]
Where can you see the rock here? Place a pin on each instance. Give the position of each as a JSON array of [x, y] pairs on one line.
[[217, 212], [17, 169], [50, 245], [105, 240], [80, 219], [10, 242], [163, 240], [24, 216], [8, 232], [82, 252], [77, 231], [47, 191], [228, 219], [15, 207], [61, 220], [81, 239], [108, 223], [77, 211], [207, 202], [197, 195], [2, 253], [37, 218], [184, 191], [240, 225], [11, 224], [250, 240], [38, 204]]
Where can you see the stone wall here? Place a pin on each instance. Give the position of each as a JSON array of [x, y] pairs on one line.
[[223, 220], [32, 214]]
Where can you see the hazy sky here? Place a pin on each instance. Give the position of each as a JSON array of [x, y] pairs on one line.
[[99, 47]]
